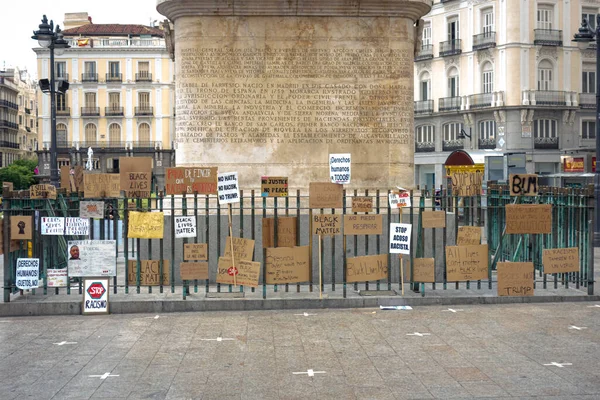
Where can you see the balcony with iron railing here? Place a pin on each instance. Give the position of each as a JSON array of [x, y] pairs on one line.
[[63, 111], [547, 37], [587, 100], [424, 147], [100, 145], [61, 76], [113, 111], [7, 124], [143, 77], [487, 143], [90, 111], [9, 104], [144, 111], [449, 104], [89, 77], [550, 98], [9, 145], [426, 53], [451, 145], [545, 143], [423, 107], [28, 129], [27, 111], [121, 42], [112, 77], [481, 100], [451, 47], [484, 40]]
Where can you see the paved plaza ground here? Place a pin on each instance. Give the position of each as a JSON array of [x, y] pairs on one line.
[[549, 350]]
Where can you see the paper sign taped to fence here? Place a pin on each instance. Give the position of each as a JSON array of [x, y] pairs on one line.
[[362, 204], [195, 251], [185, 227], [77, 226], [52, 226], [28, 273], [286, 232], [515, 279], [149, 273], [274, 186], [559, 261], [468, 235], [363, 224], [146, 225], [367, 268], [424, 270], [92, 258], [434, 219], [339, 168], [91, 209], [528, 218], [134, 164], [325, 195], [138, 184], [287, 265], [466, 263], [21, 227], [101, 185], [523, 184], [190, 180], [57, 277], [466, 180], [246, 272], [42, 192], [95, 296], [400, 235], [399, 198], [193, 270], [243, 249], [326, 224]]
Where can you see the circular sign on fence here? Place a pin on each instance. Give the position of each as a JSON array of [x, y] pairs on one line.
[[232, 271]]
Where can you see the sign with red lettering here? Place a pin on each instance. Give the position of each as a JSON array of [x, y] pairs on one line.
[[95, 296], [574, 164], [184, 180]]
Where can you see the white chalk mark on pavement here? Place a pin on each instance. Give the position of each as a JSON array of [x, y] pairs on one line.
[[305, 314], [63, 343], [559, 365], [577, 327], [310, 372], [219, 339], [103, 377], [418, 334]]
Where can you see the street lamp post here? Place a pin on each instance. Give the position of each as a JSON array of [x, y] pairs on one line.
[[53, 40]]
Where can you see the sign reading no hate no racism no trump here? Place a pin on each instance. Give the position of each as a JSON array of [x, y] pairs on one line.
[[228, 188]]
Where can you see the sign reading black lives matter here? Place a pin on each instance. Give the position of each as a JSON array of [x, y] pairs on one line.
[[339, 168], [28, 273], [92, 258], [228, 189], [185, 227]]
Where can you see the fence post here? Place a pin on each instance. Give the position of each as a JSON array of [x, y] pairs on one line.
[[592, 228], [6, 246]]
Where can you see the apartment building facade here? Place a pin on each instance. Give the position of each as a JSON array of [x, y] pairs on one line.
[[507, 74]]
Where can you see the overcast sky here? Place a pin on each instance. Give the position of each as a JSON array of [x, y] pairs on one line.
[[19, 18]]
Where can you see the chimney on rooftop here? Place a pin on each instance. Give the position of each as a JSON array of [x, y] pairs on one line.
[[74, 20]]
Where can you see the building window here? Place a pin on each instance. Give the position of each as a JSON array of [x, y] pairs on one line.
[[144, 69], [61, 102], [588, 129], [545, 128], [144, 100], [425, 86], [90, 100], [487, 130], [453, 33], [20, 120], [487, 20], [114, 100], [545, 16], [424, 134], [61, 133], [114, 69], [426, 34], [61, 69], [588, 79], [453, 90], [90, 134], [89, 67], [487, 78], [144, 133], [590, 16], [545, 75], [451, 131], [114, 133]]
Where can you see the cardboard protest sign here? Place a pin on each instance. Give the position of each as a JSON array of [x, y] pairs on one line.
[[362, 204], [326, 224], [227, 186], [134, 164], [424, 270], [325, 195], [434, 219], [528, 218], [146, 225], [560, 261], [287, 265], [466, 179], [400, 235], [367, 268], [515, 279], [92, 258], [21, 227], [466, 263], [468, 235], [101, 185], [14, 244], [138, 184], [286, 232], [52, 226], [247, 272], [57, 277], [28, 273], [193, 270], [523, 184], [185, 227], [274, 186], [42, 192], [149, 273], [78, 178], [95, 296], [77, 226], [65, 178], [91, 209], [243, 249], [190, 180], [195, 251], [399, 198], [363, 224], [339, 168]]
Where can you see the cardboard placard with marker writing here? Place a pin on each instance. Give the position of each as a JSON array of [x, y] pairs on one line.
[[287, 265], [363, 224], [138, 184], [243, 249], [190, 180], [149, 273], [14, 244], [523, 184], [362, 204], [434, 219], [286, 232], [42, 191], [528, 218], [325, 195], [247, 272], [367, 268], [515, 279], [134, 164], [560, 261], [195, 251], [468, 235], [424, 270], [193, 270], [101, 185], [326, 224], [467, 263]]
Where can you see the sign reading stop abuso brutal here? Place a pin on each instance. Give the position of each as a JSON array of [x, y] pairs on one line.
[[95, 296]]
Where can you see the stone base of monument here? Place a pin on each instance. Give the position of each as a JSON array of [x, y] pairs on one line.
[[377, 293], [225, 295]]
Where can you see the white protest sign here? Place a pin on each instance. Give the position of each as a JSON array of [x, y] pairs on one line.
[[399, 198], [91, 209], [77, 226], [28, 273], [228, 189], [53, 226], [400, 235], [339, 168], [185, 227], [57, 277], [95, 296], [92, 258]]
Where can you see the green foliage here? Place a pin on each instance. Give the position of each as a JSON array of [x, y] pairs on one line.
[[20, 173]]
